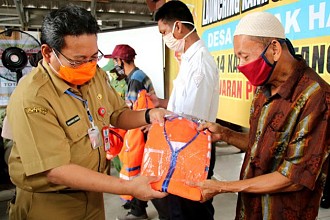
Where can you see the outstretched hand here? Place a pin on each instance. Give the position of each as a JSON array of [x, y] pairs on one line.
[[142, 188], [217, 131], [209, 188]]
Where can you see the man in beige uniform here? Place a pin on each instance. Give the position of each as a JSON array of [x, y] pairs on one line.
[[57, 114]]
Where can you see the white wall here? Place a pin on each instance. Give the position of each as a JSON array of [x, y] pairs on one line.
[[148, 45]]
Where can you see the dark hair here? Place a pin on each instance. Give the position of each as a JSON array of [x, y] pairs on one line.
[[175, 10], [68, 20]]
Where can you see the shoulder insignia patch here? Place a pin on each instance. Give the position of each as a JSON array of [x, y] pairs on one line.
[[31, 110]]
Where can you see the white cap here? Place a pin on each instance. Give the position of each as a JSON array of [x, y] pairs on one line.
[[260, 24]]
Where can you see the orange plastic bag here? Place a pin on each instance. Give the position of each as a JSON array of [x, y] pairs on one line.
[[178, 153], [134, 141]]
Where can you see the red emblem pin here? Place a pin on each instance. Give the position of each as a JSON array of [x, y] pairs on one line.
[[101, 111]]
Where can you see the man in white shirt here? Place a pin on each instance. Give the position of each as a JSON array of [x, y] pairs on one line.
[[195, 91], [196, 87]]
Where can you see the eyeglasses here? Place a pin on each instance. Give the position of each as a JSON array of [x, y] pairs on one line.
[[76, 63]]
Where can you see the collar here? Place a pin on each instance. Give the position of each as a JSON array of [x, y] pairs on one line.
[[287, 88], [192, 50], [60, 85]]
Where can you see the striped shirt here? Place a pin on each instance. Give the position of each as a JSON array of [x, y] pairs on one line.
[[136, 81], [290, 134]]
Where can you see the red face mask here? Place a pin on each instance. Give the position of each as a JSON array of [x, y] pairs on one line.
[[259, 71]]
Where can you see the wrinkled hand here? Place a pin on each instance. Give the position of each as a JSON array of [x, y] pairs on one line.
[[142, 188], [209, 188], [217, 131]]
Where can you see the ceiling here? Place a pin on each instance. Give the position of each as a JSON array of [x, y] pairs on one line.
[[111, 14]]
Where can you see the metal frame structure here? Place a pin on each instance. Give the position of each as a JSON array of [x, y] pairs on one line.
[[110, 14]]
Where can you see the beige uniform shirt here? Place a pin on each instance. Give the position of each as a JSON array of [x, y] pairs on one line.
[[50, 127]]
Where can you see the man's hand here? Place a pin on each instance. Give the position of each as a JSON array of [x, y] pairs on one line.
[[157, 115], [209, 188], [141, 188], [217, 131], [259, 184]]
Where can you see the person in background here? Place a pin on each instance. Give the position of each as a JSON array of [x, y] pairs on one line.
[[124, 56], [195, 91], [287, 146], [58, 161], [117, 80]]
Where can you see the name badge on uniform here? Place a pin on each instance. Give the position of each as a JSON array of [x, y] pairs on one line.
[[73, 120]]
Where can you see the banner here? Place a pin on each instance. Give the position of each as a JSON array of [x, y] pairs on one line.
[[306, 23]]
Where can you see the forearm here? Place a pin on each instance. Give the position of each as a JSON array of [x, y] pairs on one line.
[[162, 103], [237, 139], [268, 183], [77, 177], [129, 119]]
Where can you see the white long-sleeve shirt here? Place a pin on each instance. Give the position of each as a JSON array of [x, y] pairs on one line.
[[196, 87]]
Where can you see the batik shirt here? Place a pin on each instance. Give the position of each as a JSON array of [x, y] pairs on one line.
[[289, 133]]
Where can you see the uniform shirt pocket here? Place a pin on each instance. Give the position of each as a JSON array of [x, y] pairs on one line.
[[76, 128]]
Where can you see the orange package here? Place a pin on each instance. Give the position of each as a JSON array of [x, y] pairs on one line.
[[178, 153], [134, 141]]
